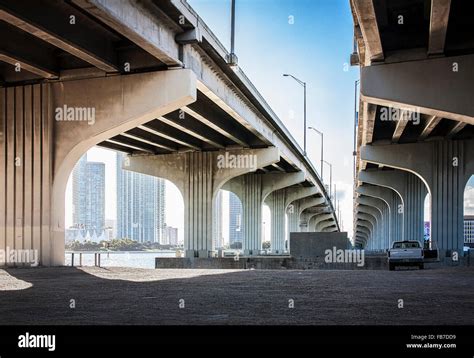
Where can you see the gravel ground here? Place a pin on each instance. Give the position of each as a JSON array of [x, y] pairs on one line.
[[326, 297]]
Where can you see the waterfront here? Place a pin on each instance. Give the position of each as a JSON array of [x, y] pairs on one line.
[[136, 259]]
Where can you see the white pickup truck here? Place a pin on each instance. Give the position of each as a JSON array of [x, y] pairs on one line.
[[405, 253]]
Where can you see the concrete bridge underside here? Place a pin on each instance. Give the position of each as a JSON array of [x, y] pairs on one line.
[[415, 133], [162, 92]]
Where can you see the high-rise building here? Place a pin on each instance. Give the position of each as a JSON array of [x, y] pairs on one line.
[[469, 230], [111, 228], [235, 221], [88, 196], [218, 238], [171, 235], [140, 205]]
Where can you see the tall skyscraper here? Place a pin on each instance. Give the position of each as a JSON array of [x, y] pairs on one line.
[[218, 239], [140, 205], [88, 196], [171, 235], [235, 221]]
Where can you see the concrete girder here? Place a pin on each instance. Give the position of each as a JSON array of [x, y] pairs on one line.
[[363, 229], [368, 225], [431, 124], [323, 218], [310, 215], [331, 228], [367, 217], [365, 12], [369, 209], [136, 22], [325, 224], [439, 18], [360, 239], [301, 193], [415, 85], [445, 167], [85, 43], [310, 202]]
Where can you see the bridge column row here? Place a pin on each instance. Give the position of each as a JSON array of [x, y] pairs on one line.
[[39, 151], [253, 190], [199, 176], [444, 167]]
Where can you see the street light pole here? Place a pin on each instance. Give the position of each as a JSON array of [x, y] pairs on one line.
[[302, 83], [339, 210], [232, 24], [304, 119], [322, 147], [354, 152]]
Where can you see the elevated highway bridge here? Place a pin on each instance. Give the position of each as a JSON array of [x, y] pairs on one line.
[[415, 133], [147, 78]]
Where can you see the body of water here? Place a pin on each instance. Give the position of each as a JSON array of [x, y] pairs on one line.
[[138, 259]]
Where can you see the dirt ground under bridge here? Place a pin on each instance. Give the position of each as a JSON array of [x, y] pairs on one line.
[[328, 297]]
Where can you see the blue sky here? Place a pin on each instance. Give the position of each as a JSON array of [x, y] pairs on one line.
[[316, 49]]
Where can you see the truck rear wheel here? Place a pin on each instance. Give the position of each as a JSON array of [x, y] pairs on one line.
[[421, 266], [391, 267]]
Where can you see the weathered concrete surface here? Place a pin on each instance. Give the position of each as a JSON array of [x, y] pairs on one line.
[[322, 297], [311, 245], [373, 262], [415, 85], [254, 262]]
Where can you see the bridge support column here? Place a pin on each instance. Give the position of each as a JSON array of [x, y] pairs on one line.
[[276, 201], [445, 167], [292, 203], [253, 189], [318, 202], [41, 142], [199, 176], [378, 220], [311, 214], [412, 192], [293, 218], [393, 202]]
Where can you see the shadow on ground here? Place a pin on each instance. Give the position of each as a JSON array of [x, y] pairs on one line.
[[326, 297]]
